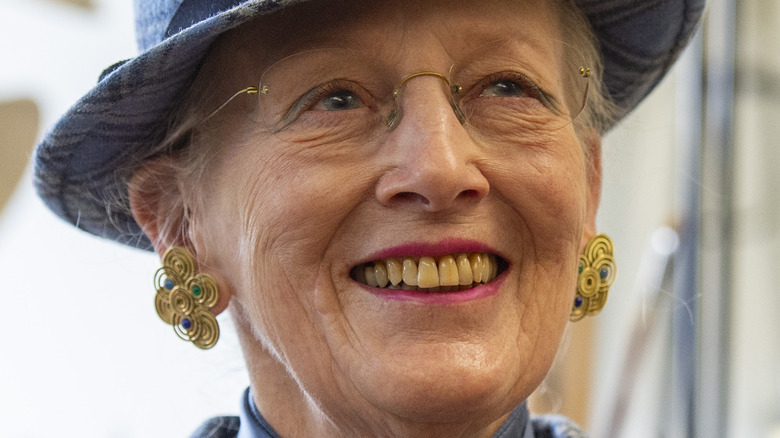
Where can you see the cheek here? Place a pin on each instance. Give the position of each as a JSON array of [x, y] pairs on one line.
[[273, 213], [545, 186], [290, 209], [276, 198]]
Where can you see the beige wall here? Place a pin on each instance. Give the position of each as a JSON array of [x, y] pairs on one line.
[[18, 132], [755, 347]]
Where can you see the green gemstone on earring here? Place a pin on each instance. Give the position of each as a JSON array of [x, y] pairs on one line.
[[580, 268], [196, 290]]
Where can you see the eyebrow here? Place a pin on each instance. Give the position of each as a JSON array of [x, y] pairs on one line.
[[515, 45]]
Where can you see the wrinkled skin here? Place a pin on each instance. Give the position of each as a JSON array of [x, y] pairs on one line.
[[283, 224]]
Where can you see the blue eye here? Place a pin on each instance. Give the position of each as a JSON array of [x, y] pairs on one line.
[[504, 88], [511, 87], [510, 84], [339, 100]]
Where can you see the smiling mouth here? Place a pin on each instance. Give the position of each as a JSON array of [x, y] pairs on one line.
[[449, 273]]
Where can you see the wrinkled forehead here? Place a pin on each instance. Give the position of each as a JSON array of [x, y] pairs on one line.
[[397, 31]]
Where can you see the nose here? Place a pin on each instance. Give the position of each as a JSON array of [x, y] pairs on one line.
[[435, 161]]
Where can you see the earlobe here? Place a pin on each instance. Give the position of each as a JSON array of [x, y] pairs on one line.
[[159, 206]]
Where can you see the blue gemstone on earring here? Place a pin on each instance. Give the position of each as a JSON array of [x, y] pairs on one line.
[[186, 323], [603, 273], [577, 301], [168, 284]]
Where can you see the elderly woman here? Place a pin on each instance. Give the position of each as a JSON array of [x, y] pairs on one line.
[[395, 200]]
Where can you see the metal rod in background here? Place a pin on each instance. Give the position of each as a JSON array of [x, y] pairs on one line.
[[679, 407], [653, 281], [716, 226]]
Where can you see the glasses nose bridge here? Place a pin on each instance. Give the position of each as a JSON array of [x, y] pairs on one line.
[[396, 114], [423, 73]]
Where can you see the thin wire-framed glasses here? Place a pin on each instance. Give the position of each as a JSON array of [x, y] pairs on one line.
[[342, 95]]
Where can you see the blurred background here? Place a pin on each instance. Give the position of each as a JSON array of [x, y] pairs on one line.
[[688, 345]]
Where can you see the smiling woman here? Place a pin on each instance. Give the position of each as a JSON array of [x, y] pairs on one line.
[[392, 203]]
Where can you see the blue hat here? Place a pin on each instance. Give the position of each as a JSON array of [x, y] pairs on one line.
[[83, 164]]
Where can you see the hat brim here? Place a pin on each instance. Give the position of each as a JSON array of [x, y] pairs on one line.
[[83, 163]]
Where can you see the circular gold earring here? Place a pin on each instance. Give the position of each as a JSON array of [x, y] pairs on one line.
[[597, 272], [184, 298]]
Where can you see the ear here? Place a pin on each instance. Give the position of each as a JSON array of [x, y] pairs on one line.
[[160, 207], [591, 141]]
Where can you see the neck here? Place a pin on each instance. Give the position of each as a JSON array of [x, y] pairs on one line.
[[312, 421], [291, 412]]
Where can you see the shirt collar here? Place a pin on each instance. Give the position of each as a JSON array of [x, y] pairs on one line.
[[253, 425]]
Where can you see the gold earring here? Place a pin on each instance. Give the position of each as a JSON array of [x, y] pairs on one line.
[[597, 272], [184, 298]]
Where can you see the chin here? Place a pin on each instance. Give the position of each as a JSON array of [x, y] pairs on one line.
[[448, 391]]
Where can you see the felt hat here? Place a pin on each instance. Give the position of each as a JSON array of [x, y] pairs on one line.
[[83, 163]]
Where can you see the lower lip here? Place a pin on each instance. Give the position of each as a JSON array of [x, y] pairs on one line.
[[439, 298]]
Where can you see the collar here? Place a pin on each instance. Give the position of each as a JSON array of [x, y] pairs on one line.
[[253, 425]]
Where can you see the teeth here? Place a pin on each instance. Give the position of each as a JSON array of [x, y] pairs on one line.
[[450, 273], [465, 274], [380, 271], [476, 266], [371, 276], [427, 274], [394, 271], [486, 269], [410, 272]]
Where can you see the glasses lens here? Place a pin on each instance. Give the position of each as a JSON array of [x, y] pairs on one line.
[[328, 96], [500, 91], [521, 89]]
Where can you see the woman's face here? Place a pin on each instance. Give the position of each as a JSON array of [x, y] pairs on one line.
[[292, 222]]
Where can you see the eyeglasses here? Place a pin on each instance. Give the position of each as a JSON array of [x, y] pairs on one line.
[[341, 95]]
